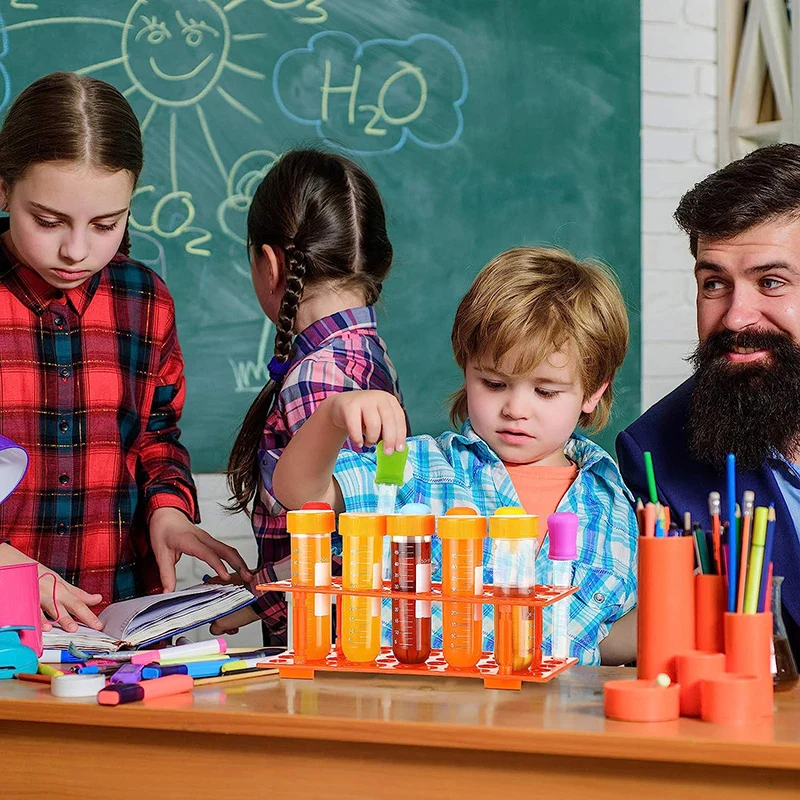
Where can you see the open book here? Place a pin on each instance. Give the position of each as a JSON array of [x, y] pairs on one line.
[[143, 620]]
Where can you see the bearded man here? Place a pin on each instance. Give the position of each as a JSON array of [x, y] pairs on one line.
[[743, 224]]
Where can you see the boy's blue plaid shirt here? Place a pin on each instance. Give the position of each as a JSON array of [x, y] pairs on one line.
[[459, 469]]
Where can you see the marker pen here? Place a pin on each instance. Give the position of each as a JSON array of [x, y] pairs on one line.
[[195, 669], [128, 673], [173, 653], [147, 690]]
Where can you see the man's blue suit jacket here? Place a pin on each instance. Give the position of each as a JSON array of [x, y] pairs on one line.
[[684, 484]]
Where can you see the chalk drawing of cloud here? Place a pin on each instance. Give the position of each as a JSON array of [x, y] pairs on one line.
[[372, 97]]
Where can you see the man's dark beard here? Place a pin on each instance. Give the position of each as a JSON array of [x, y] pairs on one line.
[[749, 409]]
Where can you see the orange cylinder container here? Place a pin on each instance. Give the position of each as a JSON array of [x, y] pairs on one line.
[[462, 538], [362, 551], [748, 640], [310, 532], [666, 622], [709, 598], [692, 668]]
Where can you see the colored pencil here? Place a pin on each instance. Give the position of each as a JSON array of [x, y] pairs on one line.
[[651, 476], [747, 519], [649, 520], [241, 675], [765, 581], [733, 552], [714, 508]]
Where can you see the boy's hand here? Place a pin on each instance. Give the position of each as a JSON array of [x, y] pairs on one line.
[[71, 603], [172, 534], [368, 417]]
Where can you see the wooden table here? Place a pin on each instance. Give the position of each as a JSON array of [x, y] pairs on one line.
[[352, 736]]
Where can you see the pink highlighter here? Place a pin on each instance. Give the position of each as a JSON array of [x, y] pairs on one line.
[[147, 690]]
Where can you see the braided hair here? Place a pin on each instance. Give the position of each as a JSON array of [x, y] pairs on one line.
[[326, 216]]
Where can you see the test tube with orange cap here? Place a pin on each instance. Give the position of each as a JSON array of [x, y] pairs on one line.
[[513, 534], [462, 533], [411, 532], [310, 533], [362, 551]]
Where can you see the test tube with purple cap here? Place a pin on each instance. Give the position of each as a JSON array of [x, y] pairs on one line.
[[562, 530]]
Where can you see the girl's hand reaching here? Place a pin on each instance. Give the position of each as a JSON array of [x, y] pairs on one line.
[[368, 417]]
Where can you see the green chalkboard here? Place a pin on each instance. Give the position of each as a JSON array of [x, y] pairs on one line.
[[486, 124]]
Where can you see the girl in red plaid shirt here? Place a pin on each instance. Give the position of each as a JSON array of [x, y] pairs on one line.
[[91, 373], [319, 254]]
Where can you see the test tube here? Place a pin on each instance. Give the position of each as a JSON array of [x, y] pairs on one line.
[[362, 546], [462, 534], [310, 533], [410, 533], [513, 534], [562, 529]]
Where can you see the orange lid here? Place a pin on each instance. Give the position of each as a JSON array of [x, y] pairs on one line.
[[642, 701], [461, 511], [362, 524], [411, 525], [513, 523], [311, 520], [462, 526]]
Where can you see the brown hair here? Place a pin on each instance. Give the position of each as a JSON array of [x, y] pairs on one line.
[[325, 215], [73, 118], [551, 301], [762, 186]]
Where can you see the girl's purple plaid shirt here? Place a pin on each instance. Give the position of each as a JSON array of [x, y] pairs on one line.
[[339, 353]]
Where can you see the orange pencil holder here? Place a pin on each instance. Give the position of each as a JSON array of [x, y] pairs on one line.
[[748, 651], [709, 598], [692, 668], [666, 624], [730, 699]]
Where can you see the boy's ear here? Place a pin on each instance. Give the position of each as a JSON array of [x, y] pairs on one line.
[[590, 403], [3, 195]]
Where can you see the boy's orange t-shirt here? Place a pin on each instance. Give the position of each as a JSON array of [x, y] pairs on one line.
[[541, 489]]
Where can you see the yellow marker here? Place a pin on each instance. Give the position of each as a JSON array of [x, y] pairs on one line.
[[46, 669], [756, 561]]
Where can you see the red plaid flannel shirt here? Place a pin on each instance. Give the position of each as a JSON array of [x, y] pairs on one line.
[[92, 386]]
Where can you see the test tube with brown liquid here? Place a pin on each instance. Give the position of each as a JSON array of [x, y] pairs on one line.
[[310, 533], [410, 533], [462, 534], [513, 534]]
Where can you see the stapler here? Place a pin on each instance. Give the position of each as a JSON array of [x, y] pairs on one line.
[[14, 656]]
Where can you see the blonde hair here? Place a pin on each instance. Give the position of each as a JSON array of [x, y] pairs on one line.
[[547, 299]]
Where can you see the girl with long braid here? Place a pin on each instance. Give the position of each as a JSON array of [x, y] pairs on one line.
[[319, 253]]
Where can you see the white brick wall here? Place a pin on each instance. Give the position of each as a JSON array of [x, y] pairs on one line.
[[678, 149], [679, 88]]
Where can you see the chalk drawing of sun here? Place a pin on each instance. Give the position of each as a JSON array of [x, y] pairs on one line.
[[174, 53]]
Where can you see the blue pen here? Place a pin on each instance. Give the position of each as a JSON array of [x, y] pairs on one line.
[[733, 538]]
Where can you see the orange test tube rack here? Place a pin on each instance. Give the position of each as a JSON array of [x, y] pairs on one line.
[[293, 665]]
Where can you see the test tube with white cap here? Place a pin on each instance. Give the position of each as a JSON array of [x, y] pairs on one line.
[[562, 530]]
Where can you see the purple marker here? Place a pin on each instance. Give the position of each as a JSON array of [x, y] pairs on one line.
[[128, 673]]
